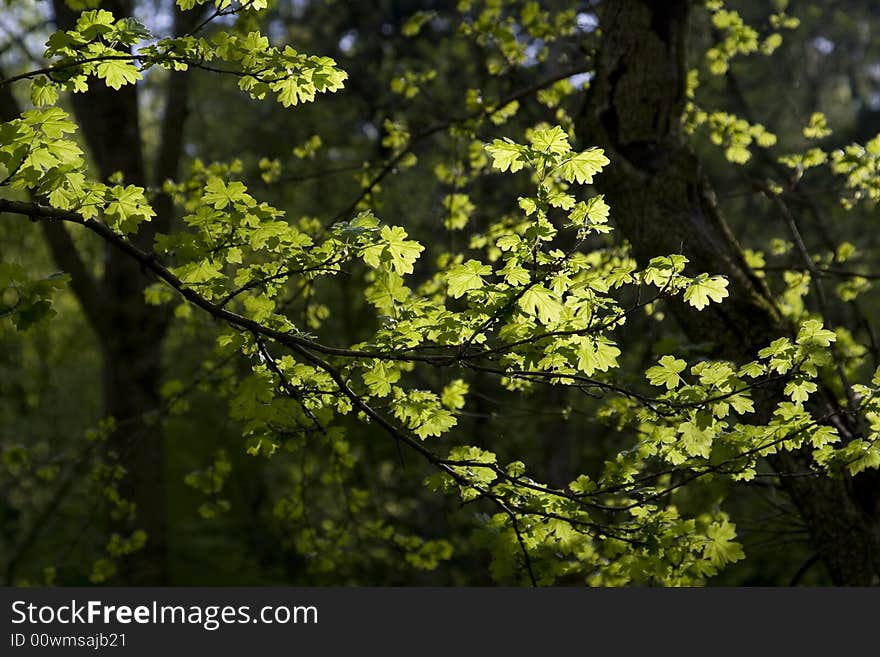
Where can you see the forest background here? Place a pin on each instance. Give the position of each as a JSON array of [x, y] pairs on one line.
[[439, 293]]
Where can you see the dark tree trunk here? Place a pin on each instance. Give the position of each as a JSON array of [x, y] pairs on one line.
[[131, 379], [662, 203], [131, 332]]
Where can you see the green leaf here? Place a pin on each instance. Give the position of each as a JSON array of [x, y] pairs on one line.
[[594, 211], [667, 372], [66, 151], [506, 155], [53, 121], [596, 354], [560, 199], [528, 206], [453, 395], [812, 334], [387, 292], [95, 23], [741, 403], [515, 275], [380, 377], [552, 140], [203, 271], [752, 370], [127, 208], [695, 441], [583, 166], [663, 268], [468, 276], [43, 92], [118, 73], [221, 195], [393, 248], [422, 413], [823, 435], [583, 485], [459, 209], [720, 548], [703, 289], [713, 374], [259, 308], [800, 390], [508, 242], [413, 25], [541, 303]]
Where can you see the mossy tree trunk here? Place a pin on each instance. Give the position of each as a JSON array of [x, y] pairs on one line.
[[663, 203]]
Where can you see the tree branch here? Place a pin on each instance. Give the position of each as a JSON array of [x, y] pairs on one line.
[[148, 262], [86, 288], [430, 130], [61, 245]]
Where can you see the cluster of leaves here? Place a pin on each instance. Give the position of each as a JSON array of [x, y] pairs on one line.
[[733, 133], [735, 37], [100, 46], [24, 299], [516, 32], [532, 309], [39, 158], [524, 303], [210, 481]]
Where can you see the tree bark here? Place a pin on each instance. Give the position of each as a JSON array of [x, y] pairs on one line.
[[662, 203], [131, 332]]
